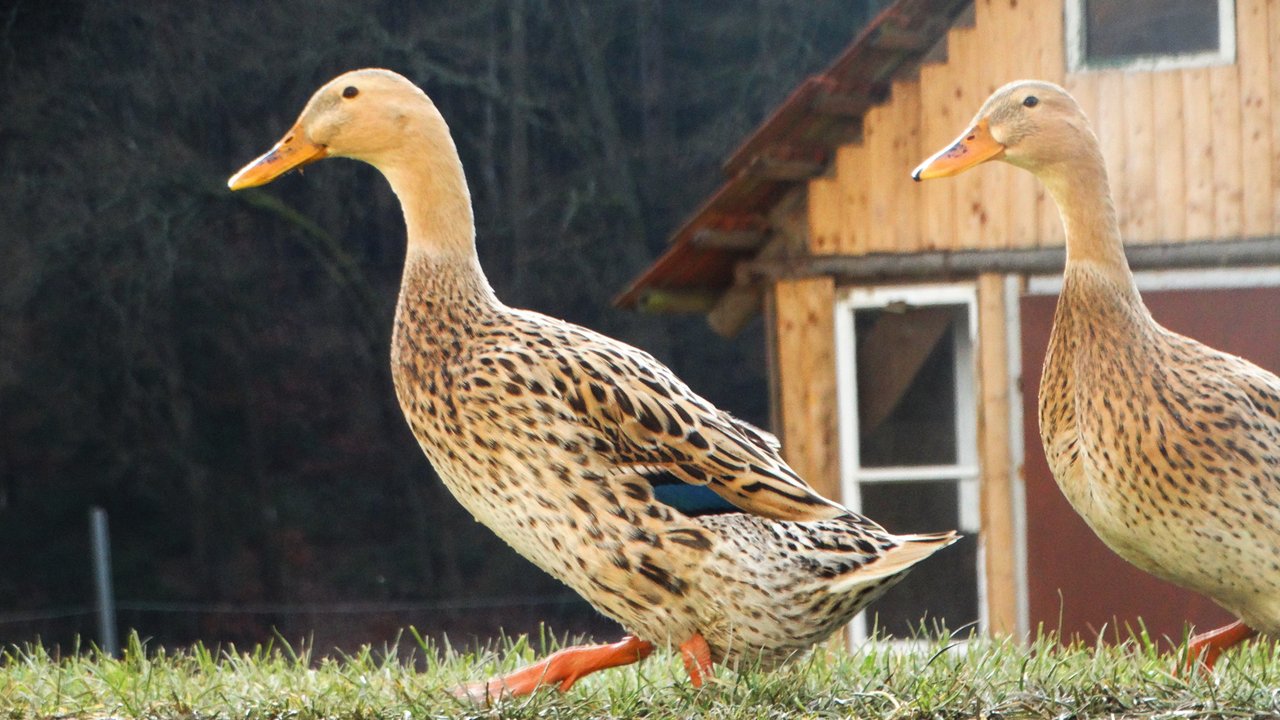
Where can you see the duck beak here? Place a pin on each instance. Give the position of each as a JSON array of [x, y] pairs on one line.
[[974, 147], [294, 151]]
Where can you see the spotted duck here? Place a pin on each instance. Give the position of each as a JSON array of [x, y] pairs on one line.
[[1169, 449], [574, 447]]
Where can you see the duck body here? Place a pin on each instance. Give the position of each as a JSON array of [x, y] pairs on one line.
[[553, 436], [1167, 448], [561, 440]]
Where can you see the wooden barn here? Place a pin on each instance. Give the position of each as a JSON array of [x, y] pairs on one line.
[[907, 322]]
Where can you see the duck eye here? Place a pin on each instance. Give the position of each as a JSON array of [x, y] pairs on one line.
[[1031, 101], [350, 91]]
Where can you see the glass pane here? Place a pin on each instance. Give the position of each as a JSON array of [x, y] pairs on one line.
[[906, 385], [943, 587], [1118, 29]]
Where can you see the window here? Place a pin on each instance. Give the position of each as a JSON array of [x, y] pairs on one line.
[[908, 441], [1149, 34]]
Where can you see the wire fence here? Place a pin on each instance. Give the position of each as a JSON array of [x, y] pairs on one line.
[[63, 613], [344, 625], [341, 623], [338, 608]]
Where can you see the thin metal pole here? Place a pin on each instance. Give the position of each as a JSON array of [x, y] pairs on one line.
[[107, 640]]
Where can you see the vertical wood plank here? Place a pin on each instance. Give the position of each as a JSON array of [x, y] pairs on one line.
[[1273, 47], [1198, 140], [971, 212], [996, 486], [1016, 21], [991, 26], [1109, 124], [1228, 173], [1138, 201], [991, 31], [770, 310], [982, 12], [804, 312], [1170, 179], [938, 127], [824, 216], [878, 133], [1255, 115], [1084, 88], [851, 168], [906, 221], [1049, 33]]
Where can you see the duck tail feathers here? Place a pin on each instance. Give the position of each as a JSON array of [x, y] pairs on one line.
[[910, 550]]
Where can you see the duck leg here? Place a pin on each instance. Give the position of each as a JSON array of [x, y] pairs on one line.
[[562, 669], [1208, 646], [697, 659]]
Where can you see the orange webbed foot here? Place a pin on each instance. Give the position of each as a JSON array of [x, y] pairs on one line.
[[697, 659], [560, 669], [1203, 650]]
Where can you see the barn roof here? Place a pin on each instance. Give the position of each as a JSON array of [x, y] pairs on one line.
[[791, 146]]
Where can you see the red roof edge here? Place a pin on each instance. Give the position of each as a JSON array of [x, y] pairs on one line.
[[793, 144]]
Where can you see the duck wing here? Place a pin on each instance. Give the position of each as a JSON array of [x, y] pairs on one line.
[[1228, 409], [654, 425]]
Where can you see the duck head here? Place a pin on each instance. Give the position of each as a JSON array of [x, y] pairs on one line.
[[365, 115], [1028, 123]]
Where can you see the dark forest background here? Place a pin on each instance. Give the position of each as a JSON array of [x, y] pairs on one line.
[[212, 368]]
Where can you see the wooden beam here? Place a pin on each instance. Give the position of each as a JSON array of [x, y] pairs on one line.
[[782, 167], [788, 236], [656, 301], [917, 40], [805, 353], [734, 310], [741, 240], [847, 101], [850, 105], [1033, 261], [995, 489]]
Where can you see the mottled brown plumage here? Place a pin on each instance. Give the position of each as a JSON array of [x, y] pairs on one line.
[[1169, 449], [554, 436]]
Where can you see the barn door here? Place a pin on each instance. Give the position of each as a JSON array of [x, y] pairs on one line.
[[1074, 582]]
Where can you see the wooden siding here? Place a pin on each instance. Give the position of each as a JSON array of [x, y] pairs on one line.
[[995, 456], [1194, 154], [805, 366]]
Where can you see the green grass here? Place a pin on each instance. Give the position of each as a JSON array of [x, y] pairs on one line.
[[982, 679]]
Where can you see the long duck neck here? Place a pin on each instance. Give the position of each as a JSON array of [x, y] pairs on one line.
[[1094, 248], [428, 179]]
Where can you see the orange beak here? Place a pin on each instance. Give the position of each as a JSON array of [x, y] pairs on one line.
[[972, 148], [294, 151]]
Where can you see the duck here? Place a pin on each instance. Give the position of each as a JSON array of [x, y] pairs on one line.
[[1167, 448], [580, 451]]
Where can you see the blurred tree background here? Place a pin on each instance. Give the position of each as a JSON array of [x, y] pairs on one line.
[[212, 367]]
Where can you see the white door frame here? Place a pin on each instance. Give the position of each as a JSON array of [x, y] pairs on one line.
[[966, 469]]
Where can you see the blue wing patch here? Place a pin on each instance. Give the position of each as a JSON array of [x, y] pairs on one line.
[[692, 500]]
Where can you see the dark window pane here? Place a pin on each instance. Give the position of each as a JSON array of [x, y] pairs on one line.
[[941, 588], [906, 361], [1119, 29]]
